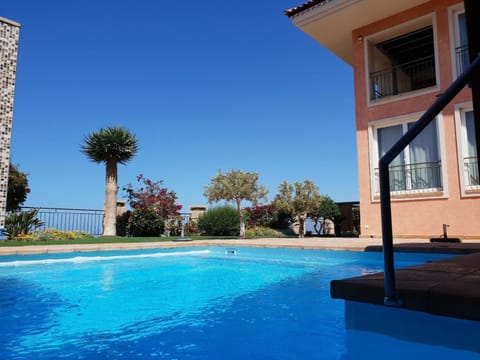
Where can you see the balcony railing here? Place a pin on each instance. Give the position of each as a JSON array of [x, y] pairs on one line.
[[413, 178], [86, 220], [463, 59], [472, 178], [414, 75]]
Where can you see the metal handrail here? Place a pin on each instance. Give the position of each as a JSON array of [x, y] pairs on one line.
[[391, 296]]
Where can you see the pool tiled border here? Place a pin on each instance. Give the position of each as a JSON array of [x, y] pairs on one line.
[[333, 243]]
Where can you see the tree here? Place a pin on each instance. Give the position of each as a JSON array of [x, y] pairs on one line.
[[151, 195], [327, 210], [111, 146], [236, 186], [267, 216], [300, 200], [356, 219], [145, 222], [260, 215], [17, 188]]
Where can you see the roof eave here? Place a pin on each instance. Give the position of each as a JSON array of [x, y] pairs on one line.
[[331, 22]]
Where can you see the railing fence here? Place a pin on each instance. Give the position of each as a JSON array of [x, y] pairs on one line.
[[402, 78], [413, 177], [463, 58], [471, 171], [85, 220]]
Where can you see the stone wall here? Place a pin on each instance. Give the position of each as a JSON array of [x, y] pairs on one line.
[[9, 34], [196, 211]]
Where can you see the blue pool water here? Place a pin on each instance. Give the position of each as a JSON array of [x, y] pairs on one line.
[[196, 303]]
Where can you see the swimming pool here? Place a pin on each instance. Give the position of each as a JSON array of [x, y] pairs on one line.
[[193, 303]]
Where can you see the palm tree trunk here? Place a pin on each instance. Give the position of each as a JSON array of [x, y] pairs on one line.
[[110, 216], [301, 226]]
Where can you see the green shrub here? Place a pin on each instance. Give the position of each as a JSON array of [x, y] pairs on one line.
[[191, 228], [17, 190], [122, 223], [145, 222], [261, 231], [22, 223], [261, 215], [219, 221], [54, 234], [174, 225], [280, 220]]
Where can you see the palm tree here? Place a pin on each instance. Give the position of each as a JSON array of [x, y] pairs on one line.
[[112, 146]]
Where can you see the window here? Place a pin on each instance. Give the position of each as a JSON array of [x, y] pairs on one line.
[[462, 59], [402, 63], [468, 151], [418, 169]]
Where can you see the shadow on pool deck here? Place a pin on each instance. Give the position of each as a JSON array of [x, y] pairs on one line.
[[448, 287], [432, 247]]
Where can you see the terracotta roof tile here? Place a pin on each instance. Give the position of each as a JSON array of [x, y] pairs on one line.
[[298, 9]]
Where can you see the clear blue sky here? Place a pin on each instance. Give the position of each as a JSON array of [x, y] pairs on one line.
[[205, 85]]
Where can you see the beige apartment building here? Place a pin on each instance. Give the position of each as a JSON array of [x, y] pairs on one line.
[[404, 54], [9, 33]]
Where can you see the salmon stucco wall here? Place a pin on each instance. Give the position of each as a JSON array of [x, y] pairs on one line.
[[422, 216]]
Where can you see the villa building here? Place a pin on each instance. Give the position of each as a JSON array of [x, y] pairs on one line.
[[404, 54], [9, 33], [196, 211]]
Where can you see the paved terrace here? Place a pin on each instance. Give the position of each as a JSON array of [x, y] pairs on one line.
[[449, 288]]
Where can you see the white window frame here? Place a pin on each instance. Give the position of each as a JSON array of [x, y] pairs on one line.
[[462, 151], [410, 194], [453, 12], [412, 25]]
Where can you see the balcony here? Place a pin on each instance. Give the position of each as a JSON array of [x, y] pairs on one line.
[[463, 59], [414, 178], [472, 178], [410, 76]]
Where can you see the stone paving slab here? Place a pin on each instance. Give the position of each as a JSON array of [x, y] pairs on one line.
[[449, 287]]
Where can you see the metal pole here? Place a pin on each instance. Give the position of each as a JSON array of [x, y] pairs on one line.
[[185, 217], [391, 297], [472, 13], [182, 234]]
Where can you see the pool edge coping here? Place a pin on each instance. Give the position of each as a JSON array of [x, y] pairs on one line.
[[311, 243]]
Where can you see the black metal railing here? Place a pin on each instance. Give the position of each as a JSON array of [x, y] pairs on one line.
[[472, 177], [391, 296], [86, 220], [414, 75], [413, 177], [463, 58]]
